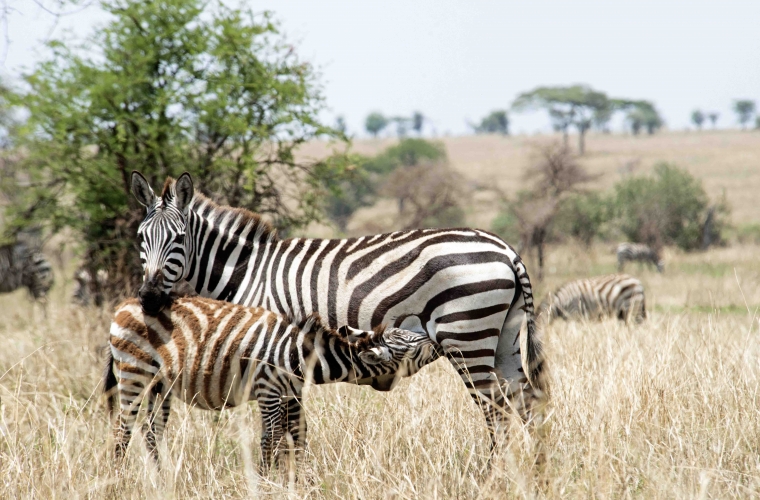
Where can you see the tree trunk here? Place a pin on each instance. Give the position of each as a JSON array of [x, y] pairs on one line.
[[564, 136], [581, 141], [707, 229]]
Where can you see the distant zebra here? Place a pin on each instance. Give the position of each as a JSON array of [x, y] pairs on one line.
[[88, 291], [616, 295], [214, 355], [466, 289], [638, 252], [21, 266]]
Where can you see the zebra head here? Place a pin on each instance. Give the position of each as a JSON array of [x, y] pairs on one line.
[[162, 238], [401, 352]]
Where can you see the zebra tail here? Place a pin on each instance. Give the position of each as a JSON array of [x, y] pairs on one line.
[[535, 352], [110, 383]]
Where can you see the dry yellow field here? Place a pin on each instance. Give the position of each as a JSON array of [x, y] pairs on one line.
[[668, 409], [665, 410]]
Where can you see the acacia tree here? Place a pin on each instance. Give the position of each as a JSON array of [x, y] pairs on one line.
[[744, 108], [173, 88], [713, 117], [418, 121], [375, 123], [698, 118], [576, 105], [642, 114], [497, 122]]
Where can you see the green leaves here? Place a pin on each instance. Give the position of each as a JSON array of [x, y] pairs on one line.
[[177, 85]]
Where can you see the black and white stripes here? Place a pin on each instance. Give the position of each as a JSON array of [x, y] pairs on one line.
[[213, 354], [21, 266], [466, 289], [616, 295]]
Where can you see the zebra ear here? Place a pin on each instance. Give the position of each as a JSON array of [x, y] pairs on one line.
[[184, 189], [141, 189], [376, 355]]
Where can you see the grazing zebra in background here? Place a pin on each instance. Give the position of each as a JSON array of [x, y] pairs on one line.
[[21, 266], [214, 355], [629, 252], [466, 289], [88, 291], [615, 295]]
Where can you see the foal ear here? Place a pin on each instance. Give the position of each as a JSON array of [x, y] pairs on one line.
[[376, 355], [185, 190], [141, 189]]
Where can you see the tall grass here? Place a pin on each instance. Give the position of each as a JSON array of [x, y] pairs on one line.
[[668, 409]]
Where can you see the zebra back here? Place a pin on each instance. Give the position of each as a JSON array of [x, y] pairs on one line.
[[614, 295]]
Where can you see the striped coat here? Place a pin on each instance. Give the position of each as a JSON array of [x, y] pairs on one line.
[[22, 267], [637, 252], [466, 289], [214, 354], [616, 295]]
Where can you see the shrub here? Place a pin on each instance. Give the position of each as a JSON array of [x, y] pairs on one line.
[[359, 185], [667, 208], [583, 216]]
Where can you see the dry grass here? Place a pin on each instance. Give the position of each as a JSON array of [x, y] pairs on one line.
[[665, 410]]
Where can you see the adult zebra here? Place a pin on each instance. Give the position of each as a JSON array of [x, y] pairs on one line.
[[21, 266], [467, 289], [615, 295], [630, 252]]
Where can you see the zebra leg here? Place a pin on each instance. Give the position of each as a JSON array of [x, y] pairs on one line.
[[295, 424], [131, 392], [515, 391], [272, 429], [159, 406]]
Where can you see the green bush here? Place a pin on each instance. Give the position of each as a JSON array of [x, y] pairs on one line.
[[667, 208], [583, 216], [358, 187]]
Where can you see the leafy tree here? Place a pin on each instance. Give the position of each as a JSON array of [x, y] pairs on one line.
[[172, 88], [402, 125], [375, 123], [418, 121], [497, 122], [574, 105], [642, 114], [713, 117], [669, 208], [744, 108], [698, 118]]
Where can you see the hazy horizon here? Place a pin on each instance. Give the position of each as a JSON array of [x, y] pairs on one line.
[[457, 61]]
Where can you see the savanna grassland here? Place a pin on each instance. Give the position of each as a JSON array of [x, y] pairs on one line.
[[667, 409]]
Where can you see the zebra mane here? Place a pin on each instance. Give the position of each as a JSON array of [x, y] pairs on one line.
[[313, 323], [243, 216]]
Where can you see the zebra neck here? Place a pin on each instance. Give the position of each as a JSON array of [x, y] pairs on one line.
[[338, 361], [220, 243]]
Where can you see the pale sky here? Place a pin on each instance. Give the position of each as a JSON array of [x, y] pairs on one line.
[[455, 60]]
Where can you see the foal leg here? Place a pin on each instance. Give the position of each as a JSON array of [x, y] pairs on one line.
[[159, 406]]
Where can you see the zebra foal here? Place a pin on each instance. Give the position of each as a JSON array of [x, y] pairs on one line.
[[213, 355], [616, 295], [630, 252]]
